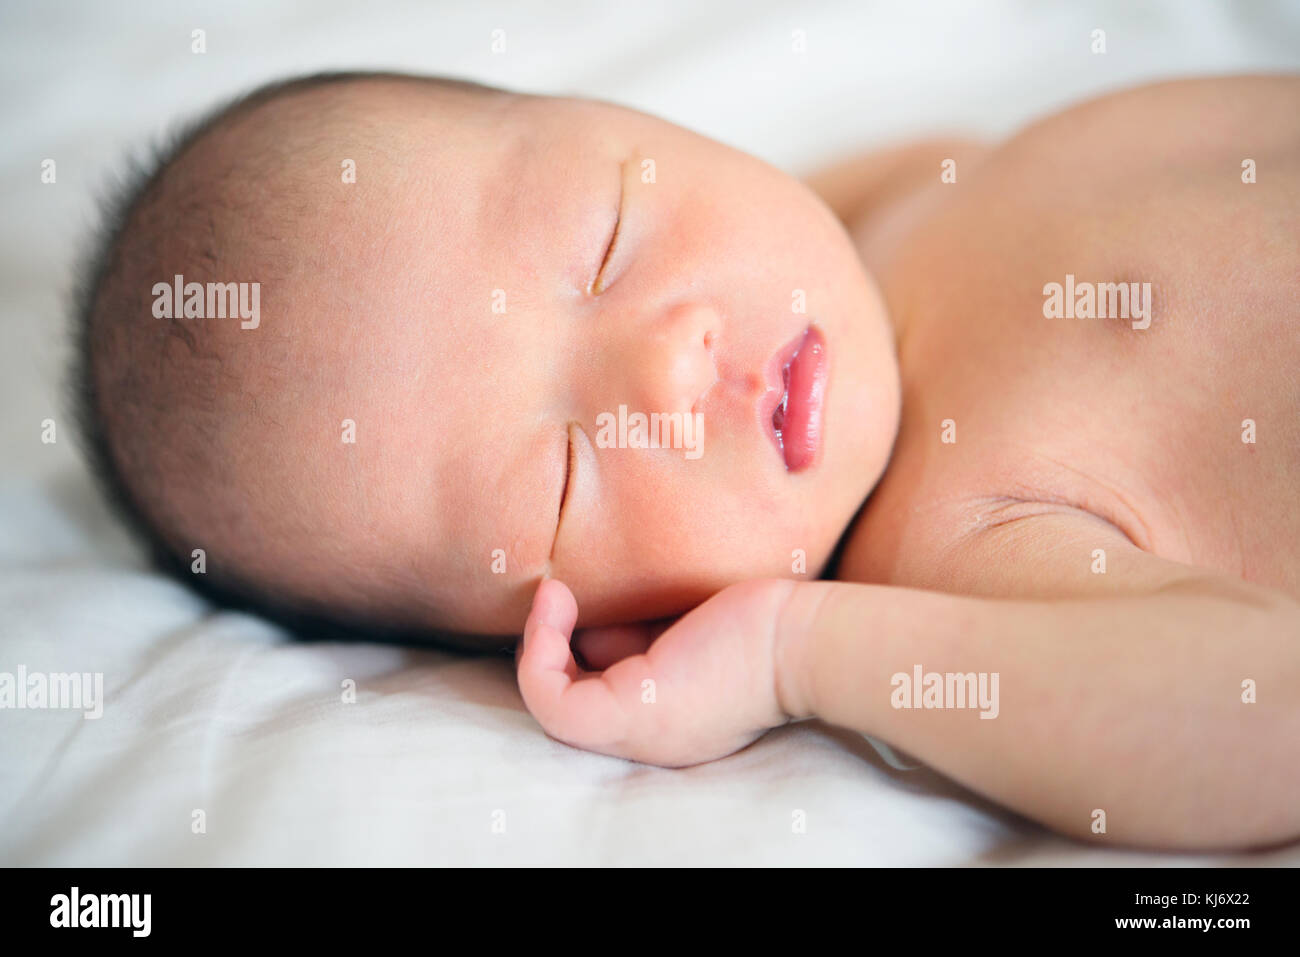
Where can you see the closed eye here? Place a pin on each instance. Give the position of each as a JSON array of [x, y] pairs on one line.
[[568, 480], [598, 284]]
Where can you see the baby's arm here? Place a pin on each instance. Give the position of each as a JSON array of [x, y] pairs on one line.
[[1125, 695], [1132, 704]]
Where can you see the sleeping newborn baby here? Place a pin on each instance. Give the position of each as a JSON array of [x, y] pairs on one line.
[[415, 356]]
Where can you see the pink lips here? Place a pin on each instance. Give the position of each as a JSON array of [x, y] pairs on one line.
[[797, 417]]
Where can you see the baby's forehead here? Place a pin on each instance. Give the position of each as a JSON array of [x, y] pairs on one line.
[[362, 167]]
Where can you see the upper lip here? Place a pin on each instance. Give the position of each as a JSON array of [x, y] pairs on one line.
[[774, 376]]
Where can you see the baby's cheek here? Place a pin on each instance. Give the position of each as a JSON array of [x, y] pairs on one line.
[[643, 565]]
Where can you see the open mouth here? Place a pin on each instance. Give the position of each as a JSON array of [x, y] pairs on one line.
[[797, 414]]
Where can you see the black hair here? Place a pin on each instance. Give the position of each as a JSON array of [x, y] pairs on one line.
[[125, 195]]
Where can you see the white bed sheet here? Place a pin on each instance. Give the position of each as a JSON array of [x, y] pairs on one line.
[[220, 712]]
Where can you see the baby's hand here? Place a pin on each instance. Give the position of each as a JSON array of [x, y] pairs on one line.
[[674, 695]]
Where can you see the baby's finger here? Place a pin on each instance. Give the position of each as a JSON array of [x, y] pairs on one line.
[[554, 609], [554, 604], [581, 713]]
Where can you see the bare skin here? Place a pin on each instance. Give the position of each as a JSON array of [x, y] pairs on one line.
[[508, 269], [1124, 691], [1141, 429], [639, 265]]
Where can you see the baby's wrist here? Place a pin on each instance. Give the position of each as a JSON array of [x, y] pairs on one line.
[[796, 630]]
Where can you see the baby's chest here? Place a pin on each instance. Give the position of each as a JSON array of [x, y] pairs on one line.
[[1123, 341], [1192, 457]]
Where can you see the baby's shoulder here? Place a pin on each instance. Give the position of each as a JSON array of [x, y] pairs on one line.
[[1105, 331]]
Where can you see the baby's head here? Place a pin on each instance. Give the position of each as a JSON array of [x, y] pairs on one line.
[[465, 296]]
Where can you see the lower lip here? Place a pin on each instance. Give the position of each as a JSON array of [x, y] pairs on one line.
[[801, 425]]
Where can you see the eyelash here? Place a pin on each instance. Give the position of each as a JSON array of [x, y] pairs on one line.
[[597, 284], [568, 474]]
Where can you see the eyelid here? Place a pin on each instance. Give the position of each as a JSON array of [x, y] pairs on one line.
[[569, 461], [598, 284], [569, 454]]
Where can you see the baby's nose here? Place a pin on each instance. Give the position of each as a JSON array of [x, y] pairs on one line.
[[671, 366]]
